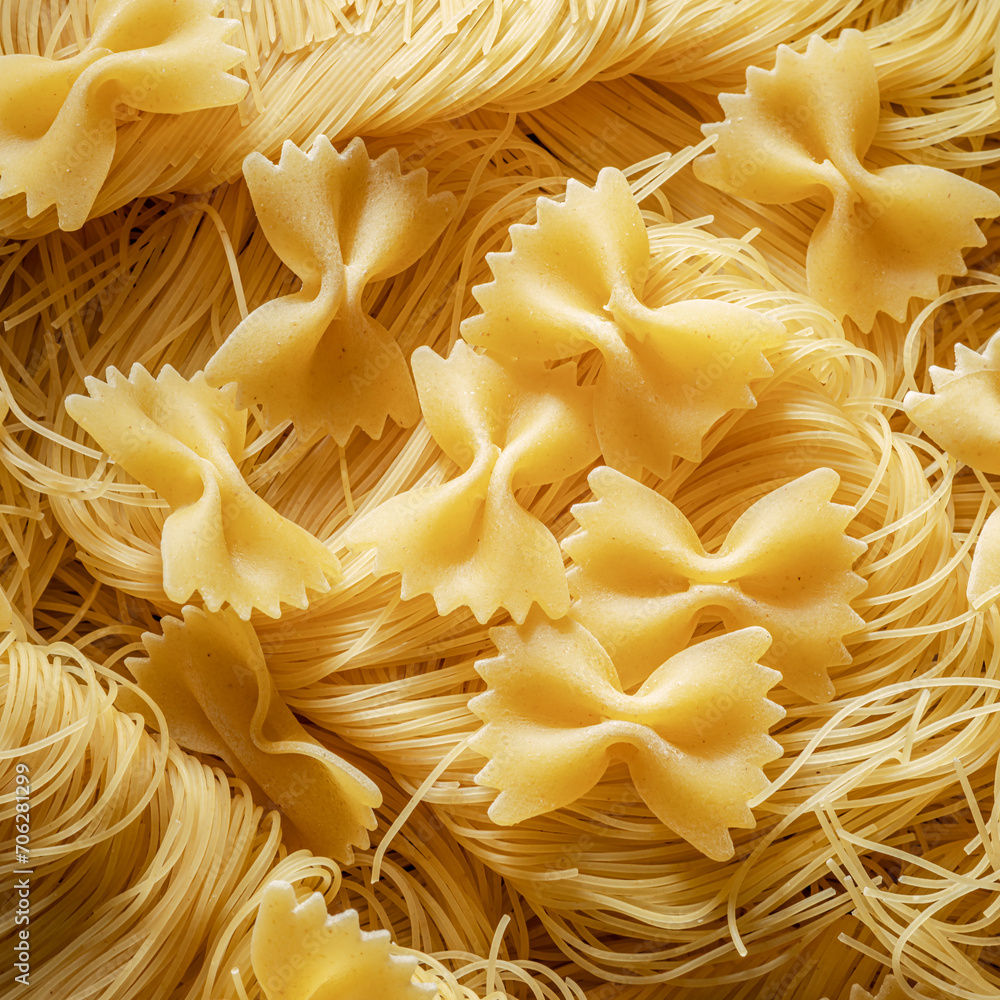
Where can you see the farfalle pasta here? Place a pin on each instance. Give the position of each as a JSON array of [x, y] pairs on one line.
[[876, 842], [803, 130], [183, 439], [344, 68], [339, 221], [142, 860], [301, 952], [58, 117], [694, 735], [642, 579], [889, 990], [574, 280], [468, 541], [962, 415], [208, 676]]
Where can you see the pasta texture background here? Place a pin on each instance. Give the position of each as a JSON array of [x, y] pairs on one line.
[[863, 857]]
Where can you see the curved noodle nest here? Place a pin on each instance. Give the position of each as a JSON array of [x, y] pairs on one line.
[[876, 849]]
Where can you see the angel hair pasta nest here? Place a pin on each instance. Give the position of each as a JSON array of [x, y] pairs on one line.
[[499, 500]]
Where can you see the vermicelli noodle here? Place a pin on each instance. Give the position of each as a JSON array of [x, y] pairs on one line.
[[876, 844]]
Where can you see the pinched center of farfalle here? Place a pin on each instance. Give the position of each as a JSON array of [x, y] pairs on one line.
[[643, 581], [468, 541], [339, 221], [694, 736], [802, 130], [58, 118], [301, 952], [963, 416], [183, 440], [574, 280]]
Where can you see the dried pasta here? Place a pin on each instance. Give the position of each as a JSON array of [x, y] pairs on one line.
[[642, 579], [582, 268], [887, 234], [58, 124], [468, 541], [299, 951], [694, 735], [887, 991], [960, 415], [208, 677], [182, 438], [871, 862], [339, 221]]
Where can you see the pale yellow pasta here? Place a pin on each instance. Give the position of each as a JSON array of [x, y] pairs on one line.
[[182, 439], [340, 221], [962, 415], [804, 128], [208, 676], [643, 580], [344, 68], [468, 541], [574, 281], [59, 117], [887, 991], [7, 618], [300, 952], [694, 735], [599, 889], [146, 864]]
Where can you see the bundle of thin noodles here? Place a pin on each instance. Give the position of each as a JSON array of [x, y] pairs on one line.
[[131, 839], [299, 950], [386, 700], [871, 861], [931, 912], [30, 552], [312, 67], [127, 840], [802, 422], [115, 523], [837, 964]]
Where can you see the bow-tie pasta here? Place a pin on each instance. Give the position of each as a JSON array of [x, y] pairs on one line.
[[574, 280], [468, 541], [301, 952], [339, 221], [889, 990], [183, 439], [694, 736], [643, 580], [208, 676], [804, 128], [143, 858], [962, 415], [58, 117]]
